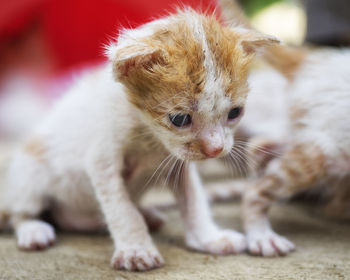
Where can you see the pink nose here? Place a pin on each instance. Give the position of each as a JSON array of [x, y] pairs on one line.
[[211, 151]]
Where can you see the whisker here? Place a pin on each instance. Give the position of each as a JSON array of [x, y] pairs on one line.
[[242, 158], [182, 171], [258, 147], [165, 167], [230, 166], [180, 174], [154, 173], [171, 169], [177, 177], [235, 158], [246, 159], [233, 161]]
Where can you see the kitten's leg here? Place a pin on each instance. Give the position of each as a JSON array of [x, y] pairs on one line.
[[261, 238], [201, 232], [26, 196], [134, 247], [298, 169]]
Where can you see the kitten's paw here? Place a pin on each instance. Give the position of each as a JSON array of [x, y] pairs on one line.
[[137, 259], [269, 244], [154, 219], [223, 242], [35, 235]]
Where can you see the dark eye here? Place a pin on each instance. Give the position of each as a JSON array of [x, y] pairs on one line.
[[234, 113], [180, 120]]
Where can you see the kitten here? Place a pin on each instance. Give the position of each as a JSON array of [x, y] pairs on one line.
[[316, 148], [172, 93]]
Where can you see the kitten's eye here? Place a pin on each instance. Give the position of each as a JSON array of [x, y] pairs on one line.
[[180, 120], [234, 113]]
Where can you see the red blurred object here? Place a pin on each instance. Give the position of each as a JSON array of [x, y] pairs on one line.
[[76, 30]]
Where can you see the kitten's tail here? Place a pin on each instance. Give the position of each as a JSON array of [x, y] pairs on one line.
[[284, 59]]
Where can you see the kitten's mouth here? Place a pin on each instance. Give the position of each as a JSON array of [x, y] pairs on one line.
[[201, 156]]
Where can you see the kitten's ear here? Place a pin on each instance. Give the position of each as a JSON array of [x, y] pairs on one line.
[[253, 41], [134, 58]]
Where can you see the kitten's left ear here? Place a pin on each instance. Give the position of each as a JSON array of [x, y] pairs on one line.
[[253, 41]]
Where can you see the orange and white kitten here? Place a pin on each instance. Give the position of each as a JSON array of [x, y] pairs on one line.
[[314, 145], [173, 92]]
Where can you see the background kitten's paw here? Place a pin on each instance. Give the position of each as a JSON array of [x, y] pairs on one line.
[[35, 235], [224, 242], [154, 219], [137, 259], [269, 245]]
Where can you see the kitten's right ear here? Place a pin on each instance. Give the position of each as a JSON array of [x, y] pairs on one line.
[[134, 58], [253, 41]]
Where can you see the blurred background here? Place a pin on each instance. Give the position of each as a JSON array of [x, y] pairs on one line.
[[45, 43]]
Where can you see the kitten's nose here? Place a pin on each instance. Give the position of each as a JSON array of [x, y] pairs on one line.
[[211, 145], [211, 151]]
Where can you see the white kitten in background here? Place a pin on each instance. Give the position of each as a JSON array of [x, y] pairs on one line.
[[173, 92], [316, 151]]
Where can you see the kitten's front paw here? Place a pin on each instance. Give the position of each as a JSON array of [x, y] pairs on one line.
[[269, 244], [35, 235], [137, 259], [223, 242]]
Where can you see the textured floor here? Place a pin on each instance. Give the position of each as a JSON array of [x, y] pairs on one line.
[[323, 253]]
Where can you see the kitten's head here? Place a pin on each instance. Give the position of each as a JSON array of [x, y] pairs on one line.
[[187, 75]]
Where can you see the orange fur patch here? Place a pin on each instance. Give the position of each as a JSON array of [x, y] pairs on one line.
[[173, 76], [304, 165], [301, 168]]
